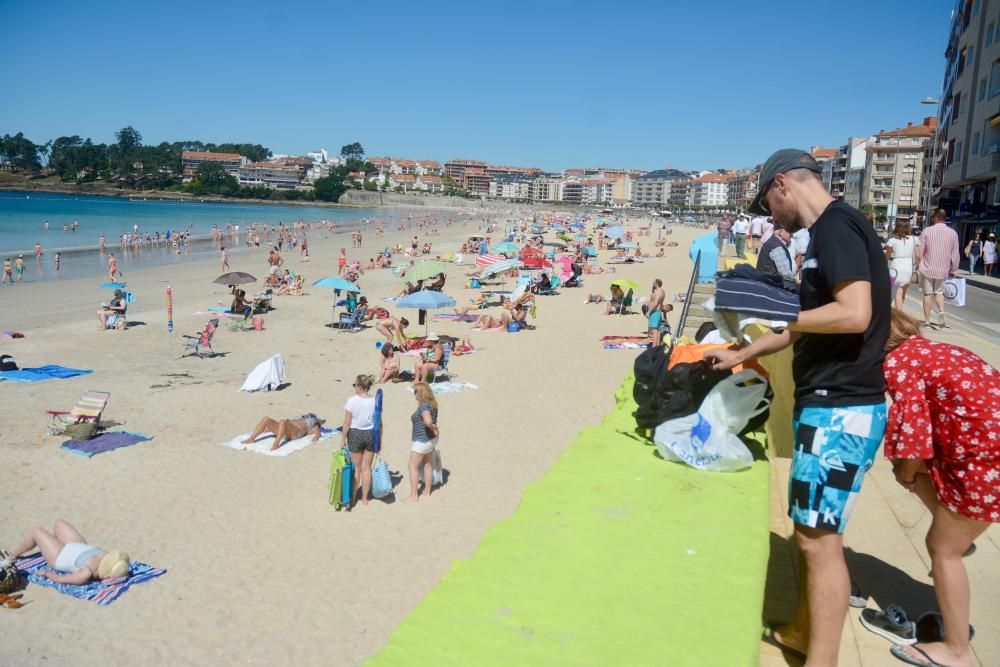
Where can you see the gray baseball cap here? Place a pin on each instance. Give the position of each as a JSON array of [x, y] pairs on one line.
[[780, 162]]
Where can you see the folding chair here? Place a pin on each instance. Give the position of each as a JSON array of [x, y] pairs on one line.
[[352, 321], [88, 409], [203, 339], [442, 371], [623, 307]]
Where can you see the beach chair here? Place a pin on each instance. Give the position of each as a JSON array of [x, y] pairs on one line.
[[352, 321], [554, 283], [442, 371], [625, 305], [88, 410], [296, 288], [200, 340]]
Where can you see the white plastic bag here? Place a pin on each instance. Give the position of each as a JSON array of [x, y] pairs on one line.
[[707, 439]]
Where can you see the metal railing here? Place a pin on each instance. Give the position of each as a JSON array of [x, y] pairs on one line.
[[690, 295]]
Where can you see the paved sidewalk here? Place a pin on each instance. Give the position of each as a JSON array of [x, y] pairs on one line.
[[888, 559]]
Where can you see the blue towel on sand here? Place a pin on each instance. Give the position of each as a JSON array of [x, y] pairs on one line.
[[42, 373], [105, 442], [102, 592]]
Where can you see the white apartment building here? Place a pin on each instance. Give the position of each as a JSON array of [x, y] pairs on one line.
[[653, 187], [510, 187], [546, 188], [269, 174], [709, 190]]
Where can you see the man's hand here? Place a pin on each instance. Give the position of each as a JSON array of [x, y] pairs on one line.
[[724, 358]]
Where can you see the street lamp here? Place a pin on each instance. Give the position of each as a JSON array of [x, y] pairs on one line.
[[934, 142]]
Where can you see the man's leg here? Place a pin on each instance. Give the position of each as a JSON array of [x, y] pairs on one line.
[[827, 590], [928, 298]]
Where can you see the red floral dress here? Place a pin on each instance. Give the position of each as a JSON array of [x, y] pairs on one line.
[[945, 403]]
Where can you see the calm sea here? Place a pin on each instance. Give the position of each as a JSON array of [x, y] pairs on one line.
[[23, 217]]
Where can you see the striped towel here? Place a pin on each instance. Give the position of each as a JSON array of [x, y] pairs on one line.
[[102, 592]]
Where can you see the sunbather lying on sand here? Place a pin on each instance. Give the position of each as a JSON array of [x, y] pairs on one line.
[[286, 430], [75, 561]]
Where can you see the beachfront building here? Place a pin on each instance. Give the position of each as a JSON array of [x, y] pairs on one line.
[[547, 188], [407, 182], [621, 188], [597, 190], [680, 193], [892, 170], [710, 190], [511, 186], [191, 160], [475, 180], [429, 183], [430, 167], [742, 187], [455, 169], [273, 175], [653, 187], [402, 166], [968, 142]]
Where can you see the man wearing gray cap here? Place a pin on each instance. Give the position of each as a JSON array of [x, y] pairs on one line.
[[840, 412]]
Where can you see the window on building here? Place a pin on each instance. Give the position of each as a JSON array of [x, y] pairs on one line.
[[989, 34], [975, 144], [956, 108], [961, 60], [958, 151], [982, 90], [971, 56], [951, 152], [995, 78], [975, 7]]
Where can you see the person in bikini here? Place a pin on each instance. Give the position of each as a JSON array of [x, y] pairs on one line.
[[286, 430]]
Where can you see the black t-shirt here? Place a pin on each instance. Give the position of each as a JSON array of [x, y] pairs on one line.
[[837, 370]]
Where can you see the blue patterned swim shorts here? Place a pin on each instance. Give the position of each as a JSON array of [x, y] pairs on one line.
[[834, 448]]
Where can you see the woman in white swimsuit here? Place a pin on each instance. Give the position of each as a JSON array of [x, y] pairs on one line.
[[74, 561]]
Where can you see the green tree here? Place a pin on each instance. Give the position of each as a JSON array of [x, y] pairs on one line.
[[20, 152], [353, 152], [128, 138], [330, 188]]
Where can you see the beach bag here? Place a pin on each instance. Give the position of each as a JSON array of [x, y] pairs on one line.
[[954, 291], [258, 324], [7, 363], [474, 284], [341, 469], [9, 577], [437, 471], [707, 439], [513, 327], [81, 430], [381, 479]]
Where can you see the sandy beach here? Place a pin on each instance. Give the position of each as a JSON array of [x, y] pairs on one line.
[[261, 569]]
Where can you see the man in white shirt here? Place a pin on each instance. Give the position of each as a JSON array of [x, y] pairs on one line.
[[767, 229], [756, 230], [800, 243], [740, 229]]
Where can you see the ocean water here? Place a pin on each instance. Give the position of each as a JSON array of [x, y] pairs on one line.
[[23, 216]]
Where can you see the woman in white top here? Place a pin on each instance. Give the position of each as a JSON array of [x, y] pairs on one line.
[[990, 253], [358, 433], [901, 253], [72, 559]]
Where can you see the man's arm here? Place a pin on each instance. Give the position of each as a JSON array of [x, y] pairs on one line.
[[769, 343], [780, 258], [849, 313]]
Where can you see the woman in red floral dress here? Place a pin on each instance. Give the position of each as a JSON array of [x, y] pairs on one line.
[[943, 437]]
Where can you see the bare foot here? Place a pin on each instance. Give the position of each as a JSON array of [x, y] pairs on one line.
[[411, 499], [248, 441], [364, 501], [787, 636], [275, 446], [939, 653], [425, 495]]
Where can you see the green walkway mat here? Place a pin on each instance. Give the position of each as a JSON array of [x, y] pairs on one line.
[[615, 557]]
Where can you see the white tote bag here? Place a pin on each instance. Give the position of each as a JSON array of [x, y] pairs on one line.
[[954, 291], [707, 439]]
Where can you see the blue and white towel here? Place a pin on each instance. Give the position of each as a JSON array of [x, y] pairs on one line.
[[102, 592]]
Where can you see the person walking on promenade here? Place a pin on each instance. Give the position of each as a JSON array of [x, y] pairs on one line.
[[756, 231], [901, 252], [938, 259], [840, 412], [942, 442], [974, 251], [724, 228], [741, 228], [989, 254]]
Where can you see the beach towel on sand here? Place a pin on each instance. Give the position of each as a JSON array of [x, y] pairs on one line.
[[262, 445], [448, 387], [268, 375], [42, 373], [104, 442], [625, 342], [102, 592]]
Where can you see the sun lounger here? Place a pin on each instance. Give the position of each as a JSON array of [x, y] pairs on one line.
[[88, 409], [203, 339]]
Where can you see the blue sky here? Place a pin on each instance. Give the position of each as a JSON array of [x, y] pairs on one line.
[[554, 84]]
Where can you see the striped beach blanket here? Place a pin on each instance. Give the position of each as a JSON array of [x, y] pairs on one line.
[[102, 592]]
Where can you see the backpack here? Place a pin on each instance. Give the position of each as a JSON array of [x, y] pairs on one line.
[[7, 363], [650, 370], [678, 392]]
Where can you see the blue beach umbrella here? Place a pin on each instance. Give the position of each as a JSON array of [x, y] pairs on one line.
[[426, 300], [113, 286], [506, 248], [615, 232], [337, 283]]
